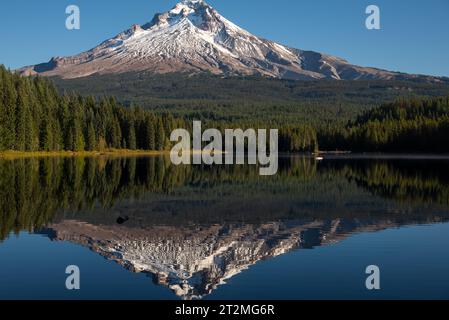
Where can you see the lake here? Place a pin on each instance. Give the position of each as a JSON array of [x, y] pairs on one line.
[[141, 228]]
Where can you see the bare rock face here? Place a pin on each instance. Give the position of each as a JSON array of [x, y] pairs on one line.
[[194, 38]]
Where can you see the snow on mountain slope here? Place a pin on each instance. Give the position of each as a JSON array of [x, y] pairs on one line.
[[193, 37]]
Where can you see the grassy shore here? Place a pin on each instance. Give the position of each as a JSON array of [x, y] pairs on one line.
[[110, 152]]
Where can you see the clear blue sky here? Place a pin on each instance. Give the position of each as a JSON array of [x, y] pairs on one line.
[[414, 36]]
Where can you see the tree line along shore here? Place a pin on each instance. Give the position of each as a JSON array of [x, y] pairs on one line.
[[35, 119]]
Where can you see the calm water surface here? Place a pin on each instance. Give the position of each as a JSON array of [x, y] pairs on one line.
[[140, 228]]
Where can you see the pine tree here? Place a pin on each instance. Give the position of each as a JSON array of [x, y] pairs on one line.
[[21, 116], [91, 139], [150, 133], [9, 107], [160, 135], [131, 141], [2, 108], [46, 140]]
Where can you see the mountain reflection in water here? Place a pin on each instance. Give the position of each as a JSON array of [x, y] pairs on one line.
[[194, 227]]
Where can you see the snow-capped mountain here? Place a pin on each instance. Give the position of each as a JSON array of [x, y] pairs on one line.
[[193, 37]]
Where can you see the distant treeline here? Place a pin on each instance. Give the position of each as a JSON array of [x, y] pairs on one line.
[[250, 99], [34, 117], [334, 115], [413, 125]]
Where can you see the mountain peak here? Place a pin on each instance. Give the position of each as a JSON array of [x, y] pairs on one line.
[[192, 2], [189, 6]]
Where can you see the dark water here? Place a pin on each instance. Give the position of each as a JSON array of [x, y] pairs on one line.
[[140, 228]]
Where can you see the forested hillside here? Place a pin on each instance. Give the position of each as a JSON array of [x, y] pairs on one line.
[[251, 99], [35, 117], [406, 125]]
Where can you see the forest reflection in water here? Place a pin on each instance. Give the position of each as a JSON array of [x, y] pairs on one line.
[[193, 227], [34, 191]]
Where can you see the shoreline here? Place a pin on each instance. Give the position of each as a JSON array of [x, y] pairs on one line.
[[387, 156], [68, 154], [11, 154], [329, 155]]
